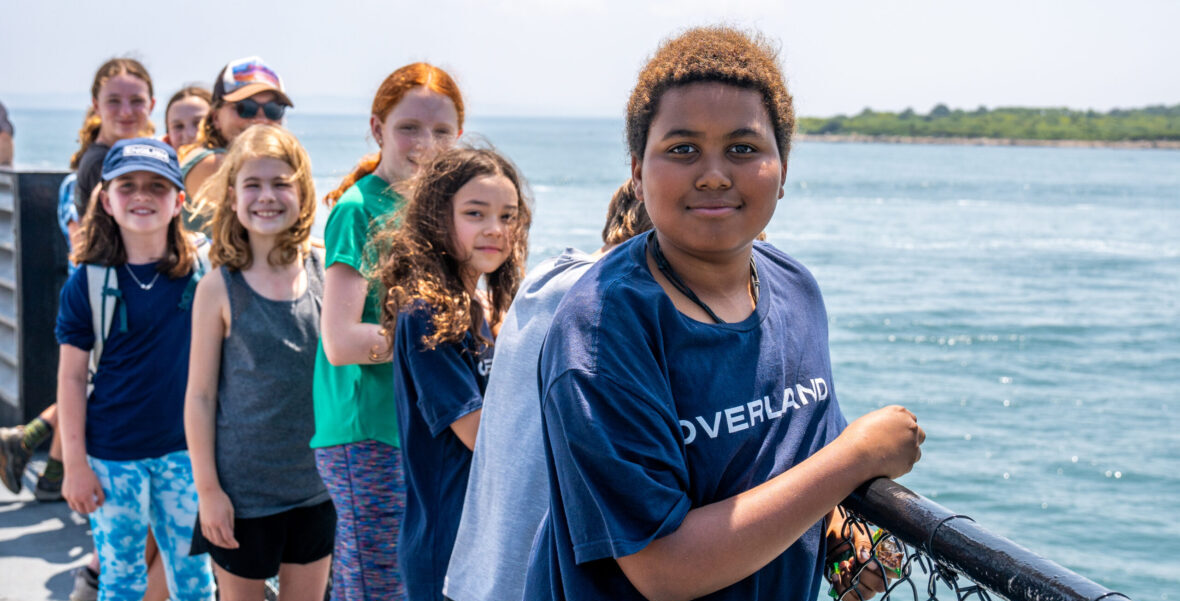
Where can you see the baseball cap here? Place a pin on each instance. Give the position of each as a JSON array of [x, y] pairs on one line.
[[142, 154], [245, 77]]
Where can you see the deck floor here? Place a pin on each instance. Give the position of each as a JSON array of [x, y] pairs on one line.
[[40, 544]]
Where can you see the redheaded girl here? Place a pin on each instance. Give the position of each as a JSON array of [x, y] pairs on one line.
[[417, 110]]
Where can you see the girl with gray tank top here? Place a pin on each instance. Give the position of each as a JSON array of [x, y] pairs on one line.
[[263, 509]]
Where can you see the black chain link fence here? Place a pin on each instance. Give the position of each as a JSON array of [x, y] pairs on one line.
[[933, 554]]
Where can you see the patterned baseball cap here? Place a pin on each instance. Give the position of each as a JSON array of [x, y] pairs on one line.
[[245, 77]]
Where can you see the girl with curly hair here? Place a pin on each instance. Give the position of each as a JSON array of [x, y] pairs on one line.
[[263, 509], [693, 435], [466, 220]]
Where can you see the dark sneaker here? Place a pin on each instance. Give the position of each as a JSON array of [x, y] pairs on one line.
[[13, 457], [48, 491], [85, 585]]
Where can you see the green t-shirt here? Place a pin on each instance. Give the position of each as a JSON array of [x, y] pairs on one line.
[[354, 403]]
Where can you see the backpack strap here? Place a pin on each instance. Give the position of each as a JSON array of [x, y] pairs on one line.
[[102, 283]]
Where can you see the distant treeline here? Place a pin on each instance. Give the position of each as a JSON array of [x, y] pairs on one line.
[[1149, 123]]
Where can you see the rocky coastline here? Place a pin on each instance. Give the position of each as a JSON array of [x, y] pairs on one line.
[[961, 141]]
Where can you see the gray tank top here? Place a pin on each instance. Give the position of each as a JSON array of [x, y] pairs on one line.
[[264, 406]]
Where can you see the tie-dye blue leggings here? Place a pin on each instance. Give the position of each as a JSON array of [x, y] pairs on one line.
[[158, 492]]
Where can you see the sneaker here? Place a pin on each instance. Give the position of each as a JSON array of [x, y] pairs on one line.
[[13, 457], [85, 585], [48, 491]]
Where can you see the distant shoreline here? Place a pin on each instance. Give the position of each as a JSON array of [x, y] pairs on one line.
[[962, 141]]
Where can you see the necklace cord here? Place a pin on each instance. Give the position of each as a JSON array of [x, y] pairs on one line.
[[142, 286], [653, 244]]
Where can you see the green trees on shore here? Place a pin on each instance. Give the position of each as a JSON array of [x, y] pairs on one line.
[[1149, 123]]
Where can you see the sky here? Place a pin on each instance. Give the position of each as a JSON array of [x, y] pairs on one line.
[[580, 57]]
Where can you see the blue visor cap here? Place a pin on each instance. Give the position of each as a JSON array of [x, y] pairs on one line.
[[142, 154]]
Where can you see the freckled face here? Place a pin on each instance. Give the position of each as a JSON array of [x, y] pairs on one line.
[[423, 123], [184, 120], [711, 174], [485, 210]]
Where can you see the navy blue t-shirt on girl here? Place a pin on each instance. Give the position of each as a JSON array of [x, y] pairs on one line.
[[136, 410], [649, 414], [433, 389]]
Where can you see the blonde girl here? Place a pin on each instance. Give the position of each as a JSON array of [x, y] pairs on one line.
[[466, 220], [416, 111], [248, 412], [123, 445]]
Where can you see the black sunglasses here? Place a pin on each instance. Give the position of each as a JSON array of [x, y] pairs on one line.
[[249, 107]]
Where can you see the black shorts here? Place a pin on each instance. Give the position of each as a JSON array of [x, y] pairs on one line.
[[300, 535]]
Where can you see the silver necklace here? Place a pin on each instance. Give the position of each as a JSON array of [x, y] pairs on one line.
[[142, 286]]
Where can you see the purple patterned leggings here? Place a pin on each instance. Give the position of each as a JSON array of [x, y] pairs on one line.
[[368, 488]]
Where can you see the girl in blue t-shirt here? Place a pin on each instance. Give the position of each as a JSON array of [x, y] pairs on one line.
[[263, 508], [126, 464], [466, 219], [691, 423]]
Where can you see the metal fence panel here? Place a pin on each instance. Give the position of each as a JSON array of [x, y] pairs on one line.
[[32, 271]]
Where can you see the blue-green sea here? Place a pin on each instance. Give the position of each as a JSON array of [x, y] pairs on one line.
[[1023, 302]]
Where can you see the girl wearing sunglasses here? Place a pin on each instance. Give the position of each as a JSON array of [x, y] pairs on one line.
[[247, 91]]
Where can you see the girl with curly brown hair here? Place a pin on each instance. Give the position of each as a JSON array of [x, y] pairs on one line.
[[466, 220], [693, 435], [263, 509]]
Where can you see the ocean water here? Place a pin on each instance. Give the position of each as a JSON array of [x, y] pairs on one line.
[[1023, 302]]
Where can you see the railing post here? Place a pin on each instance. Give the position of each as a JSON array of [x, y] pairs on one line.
[[32, 271]]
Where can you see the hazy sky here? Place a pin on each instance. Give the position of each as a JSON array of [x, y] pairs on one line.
[[580, 57]]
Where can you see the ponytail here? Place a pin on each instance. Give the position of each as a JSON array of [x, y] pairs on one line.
[[86, 136], [367, 165], [92, 124], [389, 94]]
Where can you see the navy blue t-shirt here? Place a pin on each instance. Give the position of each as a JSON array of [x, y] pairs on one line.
[[136, 410], [649, 413], [433, 389]]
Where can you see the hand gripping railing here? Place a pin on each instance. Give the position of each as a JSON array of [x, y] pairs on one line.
[[929, 542]]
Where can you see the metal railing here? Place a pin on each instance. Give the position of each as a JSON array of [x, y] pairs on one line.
[[32, 271], [933, 553]]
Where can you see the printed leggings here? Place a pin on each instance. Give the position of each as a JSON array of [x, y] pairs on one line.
[[368, 487], [160, 493]]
